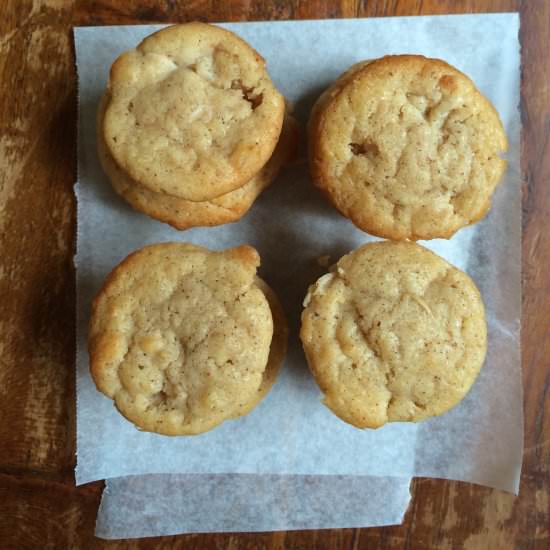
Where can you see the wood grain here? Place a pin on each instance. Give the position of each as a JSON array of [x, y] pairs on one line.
[[37, 155], [39, 505]]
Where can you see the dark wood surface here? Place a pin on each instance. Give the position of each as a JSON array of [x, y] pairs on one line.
[[40, 507]]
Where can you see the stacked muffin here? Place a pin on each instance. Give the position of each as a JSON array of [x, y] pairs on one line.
[[191, 129], [182, 338]]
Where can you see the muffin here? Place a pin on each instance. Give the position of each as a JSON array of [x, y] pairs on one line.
[[191, 112], [393, 333], [182, 213], [183, 338], [406, 147]]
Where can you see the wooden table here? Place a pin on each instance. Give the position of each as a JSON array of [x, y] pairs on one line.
[[40, 507]]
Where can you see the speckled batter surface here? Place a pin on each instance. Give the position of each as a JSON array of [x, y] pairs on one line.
[[393, 333], [192, 112], [182, 338], [407, 147]]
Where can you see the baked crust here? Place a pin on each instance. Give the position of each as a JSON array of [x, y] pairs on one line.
[[182, 338], [407, 148], [192, 112], [393, 333]]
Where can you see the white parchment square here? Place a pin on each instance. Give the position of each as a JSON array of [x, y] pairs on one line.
[[291, 433]]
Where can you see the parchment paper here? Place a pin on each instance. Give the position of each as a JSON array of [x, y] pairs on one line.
[[131, 506], [291, 433]]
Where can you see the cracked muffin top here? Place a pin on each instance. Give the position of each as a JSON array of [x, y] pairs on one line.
[[180, 337], [407, 147], [192, 112], [393, 333]]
